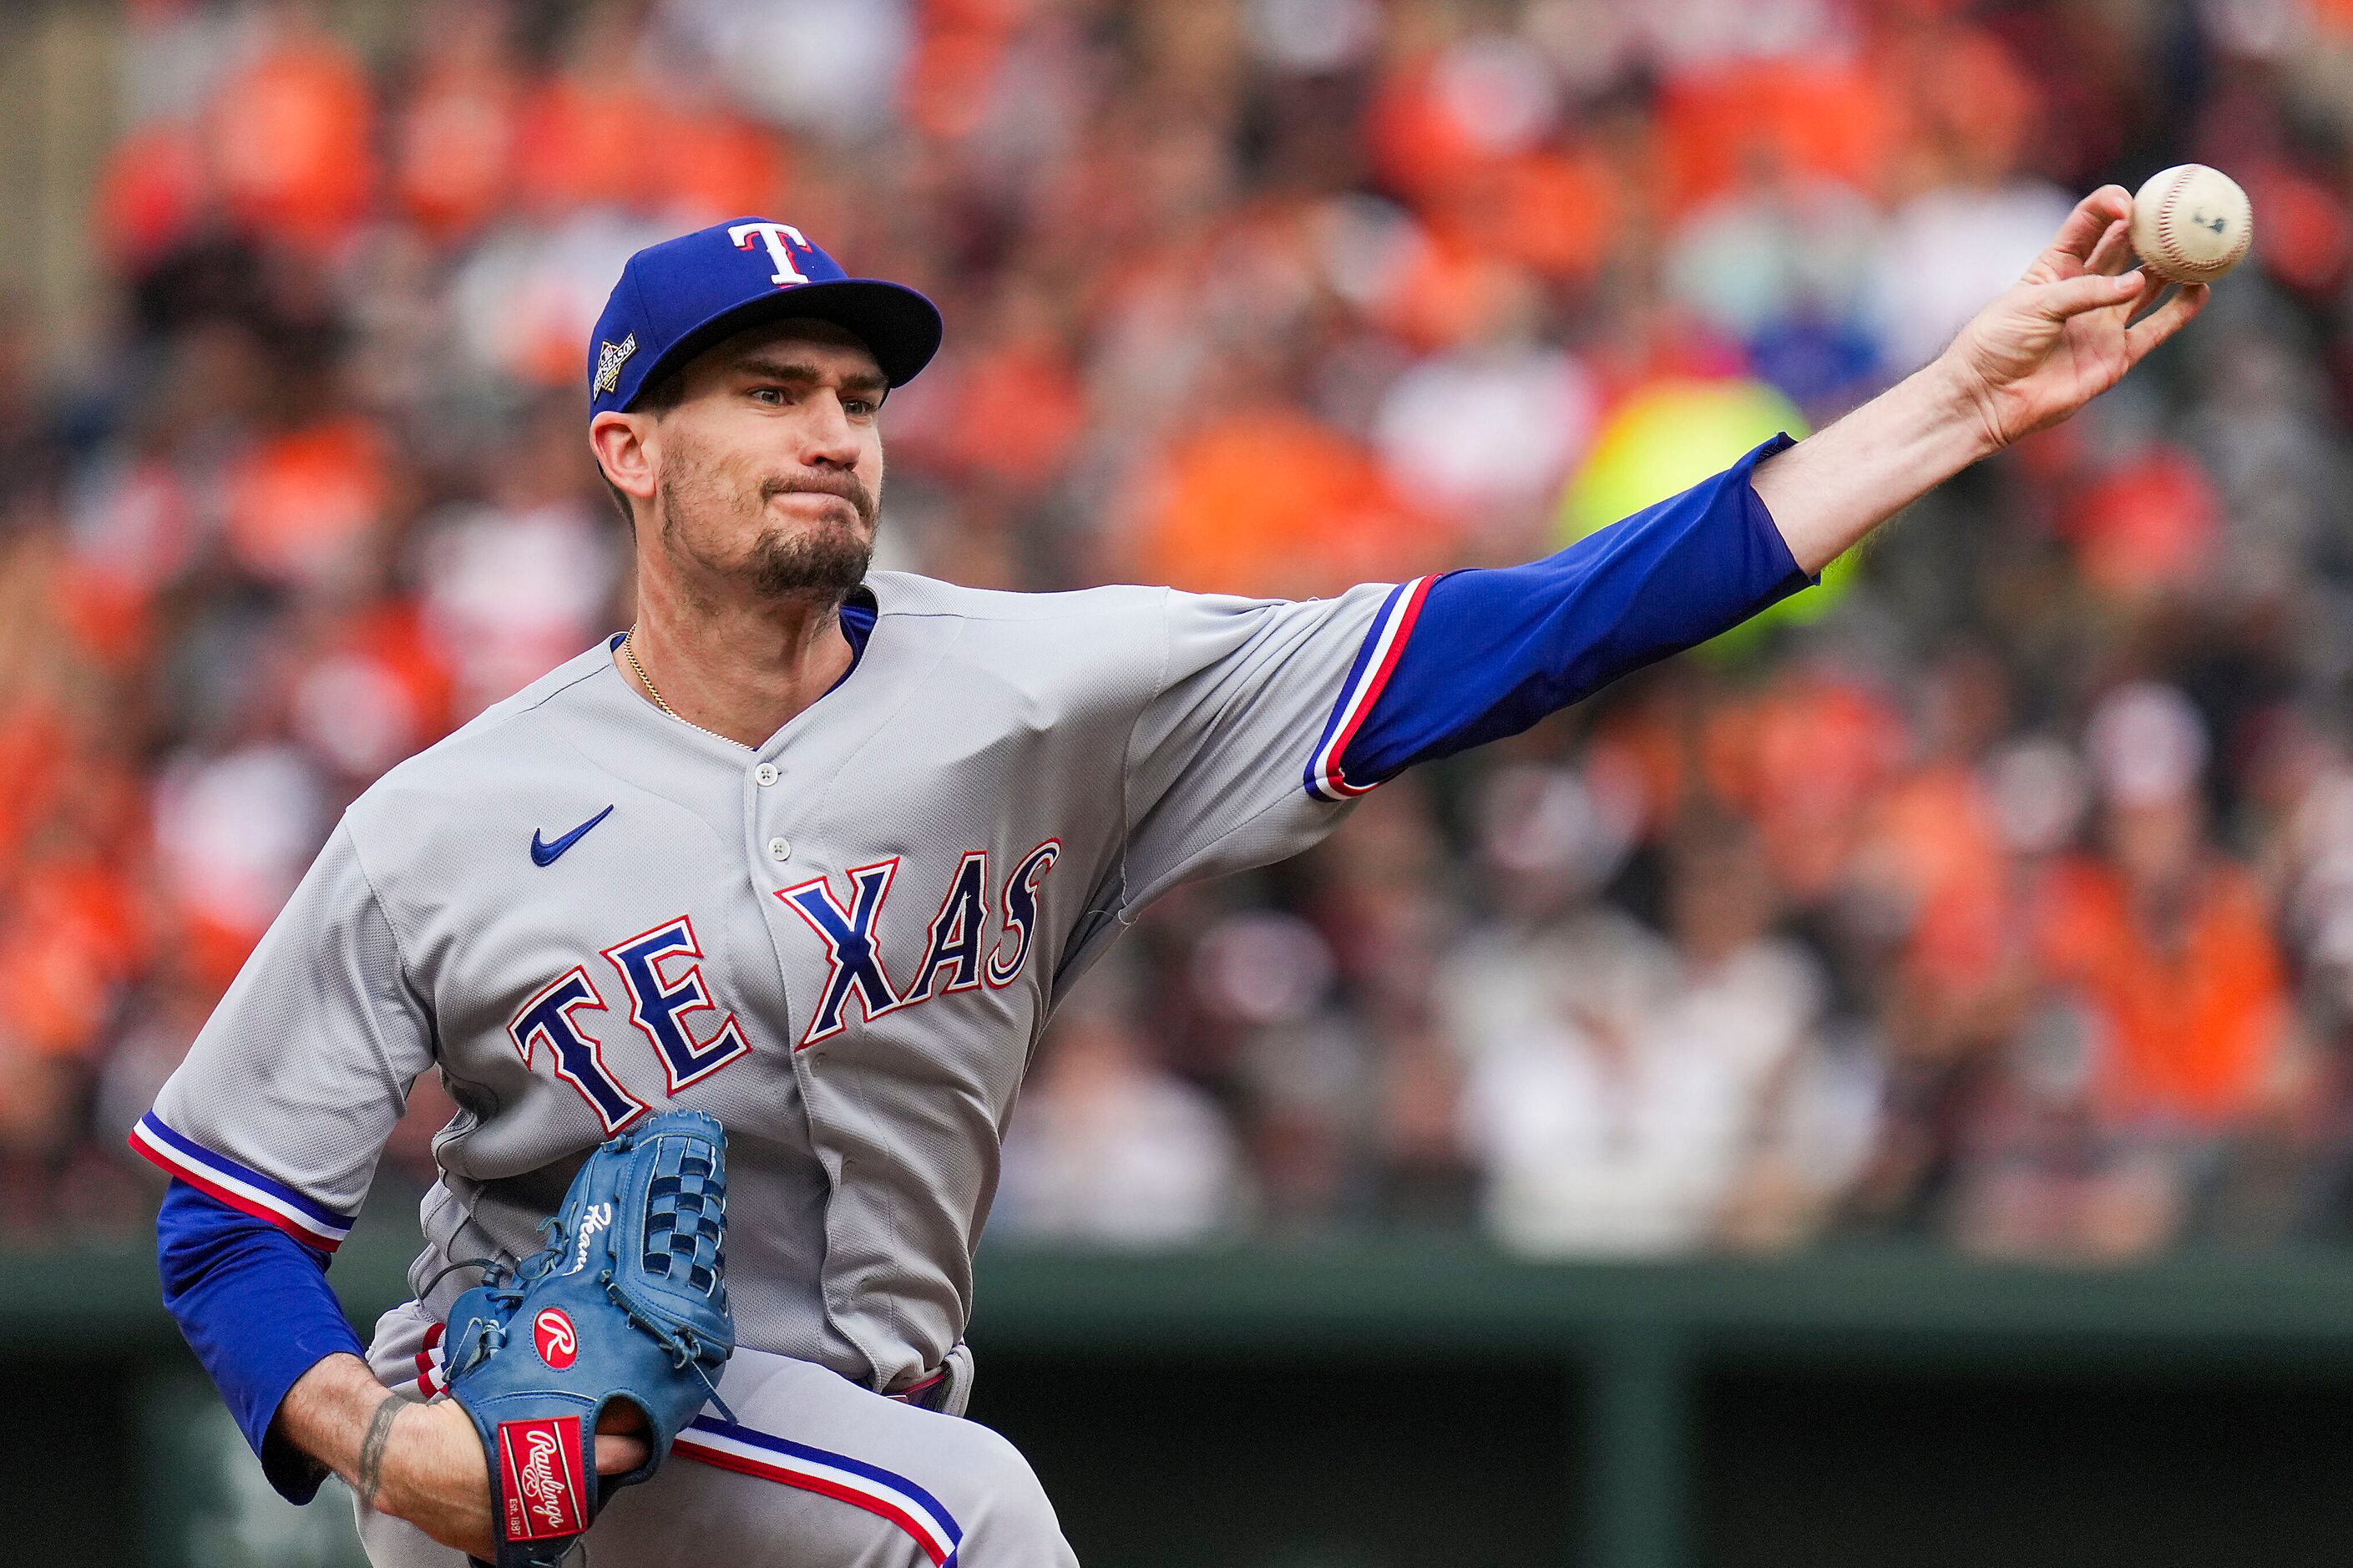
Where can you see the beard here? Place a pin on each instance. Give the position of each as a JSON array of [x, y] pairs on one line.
[[825, 559]]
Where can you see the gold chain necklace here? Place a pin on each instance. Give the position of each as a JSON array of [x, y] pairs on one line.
[[630, 652]]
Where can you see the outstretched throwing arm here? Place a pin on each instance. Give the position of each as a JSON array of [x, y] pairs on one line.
[[1470, 656], [2054, 341]]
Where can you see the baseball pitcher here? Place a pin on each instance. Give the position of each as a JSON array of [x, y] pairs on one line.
[[814, 850]]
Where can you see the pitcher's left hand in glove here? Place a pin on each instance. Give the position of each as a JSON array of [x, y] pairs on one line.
[[627, 1305]]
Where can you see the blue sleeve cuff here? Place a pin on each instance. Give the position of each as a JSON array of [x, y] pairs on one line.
[[254, 1307], [1483, 654]]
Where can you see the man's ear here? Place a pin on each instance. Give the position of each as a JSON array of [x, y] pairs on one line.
[[622, 443]]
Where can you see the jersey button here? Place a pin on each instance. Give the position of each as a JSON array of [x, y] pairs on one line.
[[780, 849], [766, 774]]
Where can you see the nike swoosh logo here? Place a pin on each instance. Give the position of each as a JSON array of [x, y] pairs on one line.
[[545, 854]]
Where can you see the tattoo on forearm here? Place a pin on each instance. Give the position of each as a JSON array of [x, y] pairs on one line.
[[370, 1473]]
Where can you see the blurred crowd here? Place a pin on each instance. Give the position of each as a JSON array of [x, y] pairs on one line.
[[1998, 892]]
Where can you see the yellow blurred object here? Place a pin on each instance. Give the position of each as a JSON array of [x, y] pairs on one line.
[[1667, 436]]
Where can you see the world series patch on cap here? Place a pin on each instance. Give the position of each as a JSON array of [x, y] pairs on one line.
[[678, 298]]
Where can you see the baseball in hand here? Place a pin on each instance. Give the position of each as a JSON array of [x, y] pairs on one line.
[[2191, 224]]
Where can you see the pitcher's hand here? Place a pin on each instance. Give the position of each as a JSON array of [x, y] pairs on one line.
[[2057, 338], [434, 1474]]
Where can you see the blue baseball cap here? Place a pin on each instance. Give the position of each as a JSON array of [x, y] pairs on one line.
[[678, 298]]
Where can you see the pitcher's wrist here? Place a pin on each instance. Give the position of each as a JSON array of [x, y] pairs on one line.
[[1959, 401]]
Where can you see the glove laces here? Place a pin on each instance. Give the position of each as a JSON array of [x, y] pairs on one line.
[[683, 1348]]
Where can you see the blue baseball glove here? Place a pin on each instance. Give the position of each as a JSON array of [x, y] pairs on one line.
[[627, 1304]]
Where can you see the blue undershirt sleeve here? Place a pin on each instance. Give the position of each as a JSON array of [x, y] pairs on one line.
[[254, 1305], [1483, 654]]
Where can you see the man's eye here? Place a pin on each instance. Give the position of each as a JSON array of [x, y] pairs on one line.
[[860, 409], [768, 395]]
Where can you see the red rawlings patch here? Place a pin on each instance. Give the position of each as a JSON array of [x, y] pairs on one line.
[[552, 1332], [539, 1461]]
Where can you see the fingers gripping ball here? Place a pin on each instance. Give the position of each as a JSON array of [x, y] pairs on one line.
[[2191, 224], [627, 1304]]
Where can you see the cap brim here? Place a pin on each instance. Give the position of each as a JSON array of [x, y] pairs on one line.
[[900, 327]]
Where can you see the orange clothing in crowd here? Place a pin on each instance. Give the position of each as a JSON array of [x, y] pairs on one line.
[[292, 143], [725, 166], [2190, 1035], [1010, 412], [298, 503], [1805, 759], [1933, 843], [1829, 119], [150, 193], [587, 143], [1275, 503], [74, 933], [1449, 291], [36, 761], [2151, 525], [946, 89], [453, 159], [1556, 213]]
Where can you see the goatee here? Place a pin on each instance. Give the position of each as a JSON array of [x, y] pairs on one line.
[[826, 561]]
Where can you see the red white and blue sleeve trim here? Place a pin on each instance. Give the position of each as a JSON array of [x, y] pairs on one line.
[[729, 1446], [1376, 661], [241, 1187], [1457, 660]]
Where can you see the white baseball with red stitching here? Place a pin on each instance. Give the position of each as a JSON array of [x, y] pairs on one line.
[[2191, 224]]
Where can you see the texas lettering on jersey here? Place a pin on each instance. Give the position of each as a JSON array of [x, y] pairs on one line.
[[1100, 746], [661, 973], [954, 953]]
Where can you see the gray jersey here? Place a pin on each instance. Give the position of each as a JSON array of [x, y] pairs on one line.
[[844, 944]]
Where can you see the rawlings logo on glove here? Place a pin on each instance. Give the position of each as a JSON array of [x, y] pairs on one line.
[[627, 1304], [551, 1331], [542, 1491]]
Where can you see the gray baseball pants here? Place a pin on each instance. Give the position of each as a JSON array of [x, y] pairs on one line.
[[815, 1472]]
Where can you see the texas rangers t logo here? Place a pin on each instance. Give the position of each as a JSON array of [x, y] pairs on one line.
[[774, 235]]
